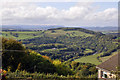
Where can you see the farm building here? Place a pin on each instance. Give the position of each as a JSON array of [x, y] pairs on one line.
[[110, 68]]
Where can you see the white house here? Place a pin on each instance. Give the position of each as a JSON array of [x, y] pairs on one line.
[[109, 70]]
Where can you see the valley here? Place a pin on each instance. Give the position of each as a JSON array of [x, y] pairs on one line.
[[75, 44]]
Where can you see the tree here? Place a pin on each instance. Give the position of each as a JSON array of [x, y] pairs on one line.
[[12, 53]]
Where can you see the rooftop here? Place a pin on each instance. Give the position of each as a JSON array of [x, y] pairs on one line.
[[111, 64]]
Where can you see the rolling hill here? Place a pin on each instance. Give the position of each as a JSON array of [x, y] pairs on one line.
[[67, 43]]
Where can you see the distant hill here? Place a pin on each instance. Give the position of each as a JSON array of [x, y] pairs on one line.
[[110, 28], [29, 27], [77, 29], [46, 27]]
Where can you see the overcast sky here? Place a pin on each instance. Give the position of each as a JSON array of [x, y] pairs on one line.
[[60, 13]]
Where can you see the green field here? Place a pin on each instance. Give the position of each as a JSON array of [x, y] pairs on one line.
[[93, 58], [89, 59], [73, 33], [49, 33], [88, 51], [107, 57], [51, 50], [22, 35]]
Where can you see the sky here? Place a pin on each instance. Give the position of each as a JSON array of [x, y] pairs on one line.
[[76, 14]]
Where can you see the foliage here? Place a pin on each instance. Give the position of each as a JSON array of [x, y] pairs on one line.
[[12, 53], [75, 46], [67, 43], [61, 68], [26, 75], [83, 69], [16, 57], [55, 52]]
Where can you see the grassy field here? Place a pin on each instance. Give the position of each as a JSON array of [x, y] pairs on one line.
[[51, 50], [22, 35], [68, 33], [89, 59], [88, 51], [93, 58], [107, 57], [49, 33]]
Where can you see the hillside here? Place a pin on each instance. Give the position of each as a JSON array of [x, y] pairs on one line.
[[18, 58], [66, 43], [22, 63]]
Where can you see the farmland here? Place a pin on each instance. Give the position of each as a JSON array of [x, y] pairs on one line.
[[76, 44]]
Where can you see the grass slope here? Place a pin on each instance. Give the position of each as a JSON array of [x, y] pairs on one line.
[[107, 57], [22, 35], [49, 33], [93, 58], [72, 33], [89, 59]]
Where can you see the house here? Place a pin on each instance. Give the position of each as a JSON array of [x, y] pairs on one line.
[[110, 68]]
